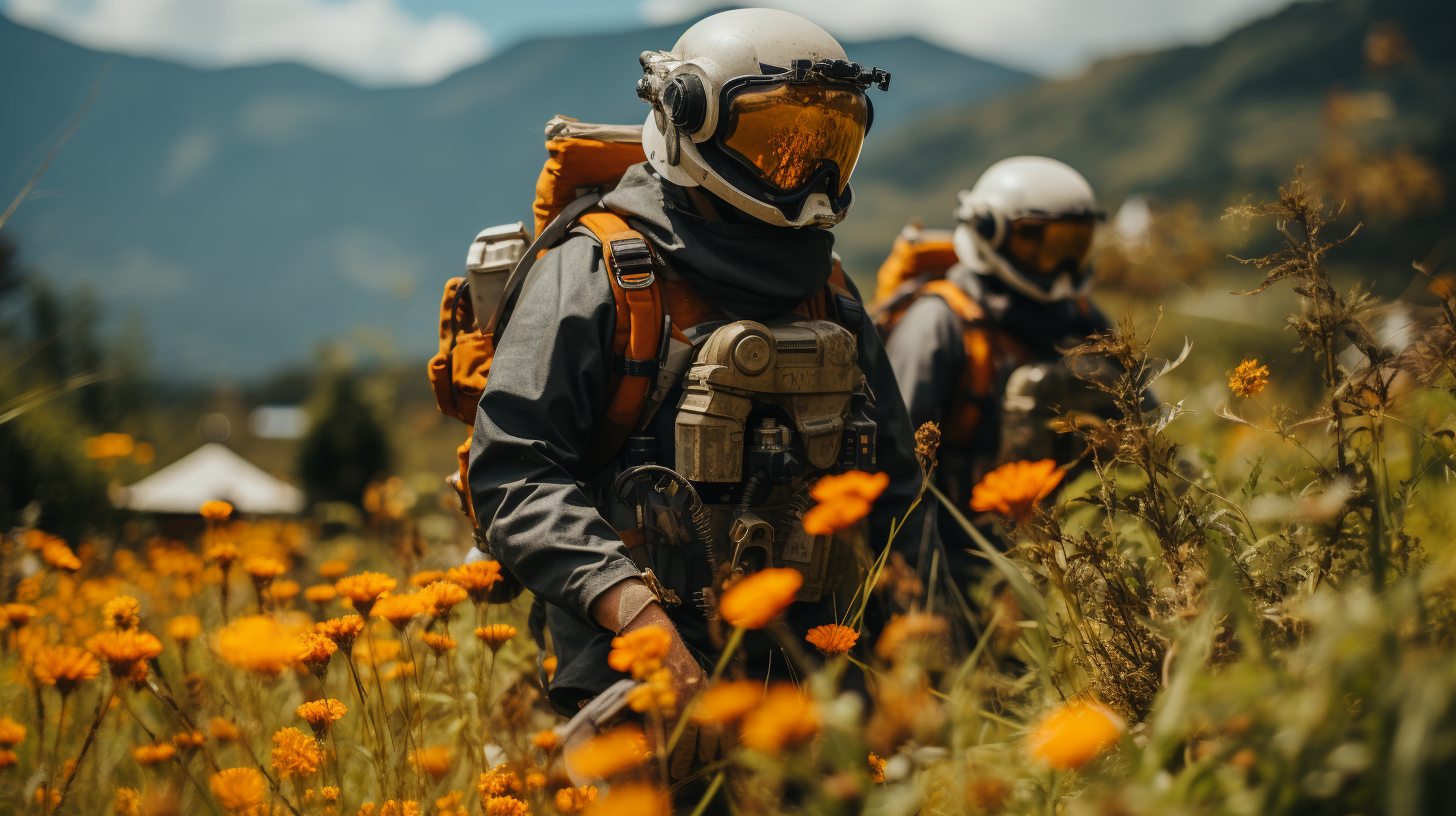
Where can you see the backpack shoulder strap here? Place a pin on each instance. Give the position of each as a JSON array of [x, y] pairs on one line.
[[965, 307], [641, 332]]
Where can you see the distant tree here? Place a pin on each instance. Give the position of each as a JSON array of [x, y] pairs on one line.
[[346, 448]]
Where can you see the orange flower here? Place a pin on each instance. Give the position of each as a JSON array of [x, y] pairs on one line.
[[1248, 379], [728, 701], [64, 667], [8, 758], [476, 578], [295, 753], [12, 733], [264, 569], [215, 510], [19, 614], [223, 552], [634, 799], [654, 693], [1014, 489], [1070, 736], [549, 666], [498, 781], [909, 628], [240, 791], [610, 753], [843, 500], [283, 591], [333, 569], [640, 651], [364, 589], [184, 628], [126, 802], [314, 651], [320, 714], [755, 600], [342, 631], [832, 639], [153, 754], [398, 609], [257, 644], [189, 740], [440, 597], [496, 635], [573, 800], [320, 594], [122, 612], [877, 769], [55, 552], [440, 642], [424, 578], [785, 718], [434, 760], [223, 730], [506, 806], [123, 649], [547, 740]]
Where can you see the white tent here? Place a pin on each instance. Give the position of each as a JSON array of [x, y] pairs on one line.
[[212, 472]]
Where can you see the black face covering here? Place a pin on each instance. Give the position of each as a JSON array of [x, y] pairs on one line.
[[1046, 329], [747, 268]]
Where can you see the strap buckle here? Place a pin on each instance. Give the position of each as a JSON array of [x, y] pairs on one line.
[[633, 263]]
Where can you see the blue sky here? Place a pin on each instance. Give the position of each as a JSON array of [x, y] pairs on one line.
[[412, 42]]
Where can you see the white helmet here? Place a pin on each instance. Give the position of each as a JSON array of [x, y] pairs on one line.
[[1029, 221], [761, 108]]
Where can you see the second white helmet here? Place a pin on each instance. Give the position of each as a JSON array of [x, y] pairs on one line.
[[762, 108], [1028, 220]]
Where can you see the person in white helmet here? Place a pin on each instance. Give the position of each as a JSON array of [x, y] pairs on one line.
[[980, 351], [757, 120]]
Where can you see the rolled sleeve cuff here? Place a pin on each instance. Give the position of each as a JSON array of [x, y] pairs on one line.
[[600, 581]]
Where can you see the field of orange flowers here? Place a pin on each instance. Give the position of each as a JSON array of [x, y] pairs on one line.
[[1247, 611]]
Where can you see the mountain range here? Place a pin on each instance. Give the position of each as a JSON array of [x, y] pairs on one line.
[[251, 213]]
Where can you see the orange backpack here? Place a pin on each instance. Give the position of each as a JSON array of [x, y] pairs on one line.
[[583, 162]]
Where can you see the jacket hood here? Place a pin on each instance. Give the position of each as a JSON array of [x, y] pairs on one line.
[[749, 270]]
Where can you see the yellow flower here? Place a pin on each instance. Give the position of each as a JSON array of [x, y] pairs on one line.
[[498, 781], [126, 802], [342, 631], [122, 612], [55, 552], [434, 760], [506, 806], [12, 733], [843, 500], [909, 628], [755, 600], [573, 800], [1248, 379], [655, 693], [215, 510], [441, 597], [320, 594], [547, 740], [785, 718], [640, 651], [608, 754], [123, 649], [398, 609], [364, 589], [439, 641], [728, 701], [240, 791], [257, 644], [877, 769], [496, 635], [1014, 489], [64, 667], [633, 799], [314, 651], [223, 730], [184, 628], [1071, 735], [295, 753], [832, 639], [329, 793], [476, 578], [333, 569], [320, 714], [424, 578], [153, 754]]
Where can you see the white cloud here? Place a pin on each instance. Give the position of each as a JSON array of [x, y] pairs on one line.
[[1054, 37], [373, 42]]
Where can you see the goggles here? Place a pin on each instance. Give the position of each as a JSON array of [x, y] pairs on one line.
[[1044, 246], [789, 135]]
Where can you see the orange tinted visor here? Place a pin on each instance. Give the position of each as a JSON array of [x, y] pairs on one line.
[[785, 133], [1044, 246]]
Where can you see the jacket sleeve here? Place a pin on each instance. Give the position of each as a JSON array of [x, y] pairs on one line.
[[927, 352], [548, 384]]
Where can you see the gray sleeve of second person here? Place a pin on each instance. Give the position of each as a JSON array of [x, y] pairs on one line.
[[548, 384], [928, 353]]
